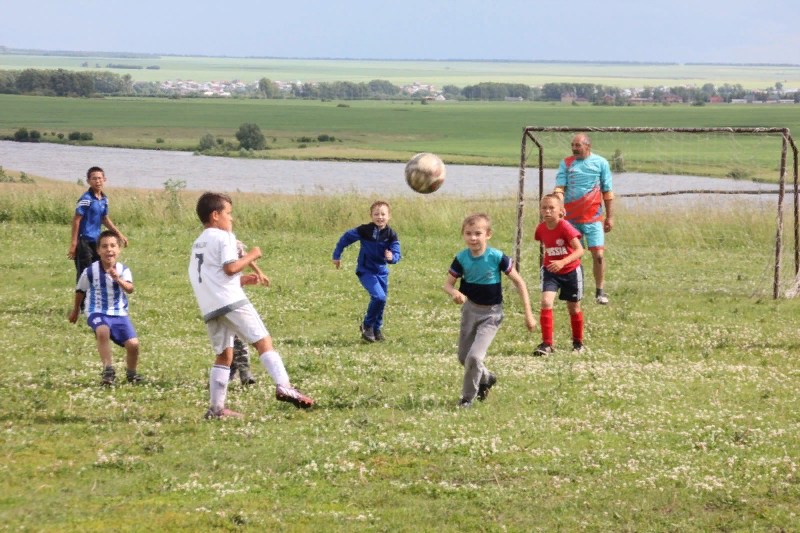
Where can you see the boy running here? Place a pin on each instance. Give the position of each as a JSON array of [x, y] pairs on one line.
[[482, 297], [108, 283], [379, 247], [91, 212], [561, 271], [215, 273]]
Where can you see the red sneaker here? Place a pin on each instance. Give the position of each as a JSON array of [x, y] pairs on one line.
[[293, 396]]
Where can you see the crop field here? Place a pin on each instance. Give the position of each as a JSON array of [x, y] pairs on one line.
[[439, 73], [460, 132], [683, 416]]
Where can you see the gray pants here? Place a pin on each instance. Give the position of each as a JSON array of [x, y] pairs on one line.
[[478, 328]]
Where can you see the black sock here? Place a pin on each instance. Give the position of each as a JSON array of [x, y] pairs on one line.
[[598, 292], [130, 373]]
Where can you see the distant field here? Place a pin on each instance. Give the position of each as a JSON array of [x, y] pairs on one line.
[[471, 133], [439, 73]]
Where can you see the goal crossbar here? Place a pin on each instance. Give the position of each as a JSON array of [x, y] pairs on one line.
[[528, 133]]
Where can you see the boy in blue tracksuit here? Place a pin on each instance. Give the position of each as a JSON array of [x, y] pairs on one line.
[[379, 247]]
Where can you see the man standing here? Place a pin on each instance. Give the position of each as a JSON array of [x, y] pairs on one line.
[[584, 184]]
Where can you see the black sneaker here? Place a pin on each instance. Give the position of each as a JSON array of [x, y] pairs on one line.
[[134, 377], [109, 376], [483, 388], [378, 335], [464, 404], [544, 349], [577, 347], [247, 378], [367, 333]]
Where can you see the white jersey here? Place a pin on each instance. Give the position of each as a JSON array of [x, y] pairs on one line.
[[217, 293], [103, 294]]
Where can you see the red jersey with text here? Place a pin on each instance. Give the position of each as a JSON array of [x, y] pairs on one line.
[[556, 243]]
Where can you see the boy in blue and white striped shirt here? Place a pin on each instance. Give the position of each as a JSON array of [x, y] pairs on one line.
[[105, 285]]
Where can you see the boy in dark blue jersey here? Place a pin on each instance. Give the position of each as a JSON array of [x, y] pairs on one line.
[[379, 247], [482, 297], [91, 211]]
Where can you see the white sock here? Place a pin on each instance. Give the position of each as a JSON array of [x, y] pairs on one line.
[[274, 364], [218, 383]]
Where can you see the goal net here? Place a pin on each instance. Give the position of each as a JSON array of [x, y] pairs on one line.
[[666, 179]]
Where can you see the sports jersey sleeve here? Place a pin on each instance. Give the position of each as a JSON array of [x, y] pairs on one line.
[[605, 177], [228, 252], [126, 275], [346, 240], [561, 176], [82, 206], [394, 247], [83, 282], [569, 231], [537, 236], [456, 270], [506, 264]]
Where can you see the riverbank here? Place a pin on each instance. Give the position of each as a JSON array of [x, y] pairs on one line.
[[469, 133]]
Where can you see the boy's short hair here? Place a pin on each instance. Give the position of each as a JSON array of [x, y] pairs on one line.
[[379, 203], [209, 202], [107, 234], [551, 196], [475, 217], [94, 169]]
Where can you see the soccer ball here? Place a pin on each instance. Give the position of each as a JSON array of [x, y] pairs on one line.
[[425, 173]]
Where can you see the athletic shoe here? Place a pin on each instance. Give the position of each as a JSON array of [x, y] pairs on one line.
[[109, 376], [293, 396], [543, 349], [602, 299], [367, 333], [577, 347], [134, 378], [483, 388], [378, 335], [464, 404], [223, 413], [247, 378]]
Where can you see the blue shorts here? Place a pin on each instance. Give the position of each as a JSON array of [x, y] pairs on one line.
[[120, 326], [592, 234]]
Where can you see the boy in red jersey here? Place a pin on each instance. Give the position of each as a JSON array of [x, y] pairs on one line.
[[561, 272]]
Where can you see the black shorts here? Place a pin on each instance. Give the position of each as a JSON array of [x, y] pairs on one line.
[[85, 255], [569, 286]]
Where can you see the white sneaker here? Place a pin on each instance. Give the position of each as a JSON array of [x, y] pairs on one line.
[[602, 299]]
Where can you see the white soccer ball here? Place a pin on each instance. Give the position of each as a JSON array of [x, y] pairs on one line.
[[425, 173]]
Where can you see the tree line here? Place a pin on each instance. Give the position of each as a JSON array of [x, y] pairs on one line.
[[62, 82]]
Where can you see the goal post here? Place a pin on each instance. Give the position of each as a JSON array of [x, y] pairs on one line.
[[668, 161]]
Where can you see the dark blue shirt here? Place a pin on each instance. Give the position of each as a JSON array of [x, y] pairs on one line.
[[481, 275], [92, 209], [374, 243]]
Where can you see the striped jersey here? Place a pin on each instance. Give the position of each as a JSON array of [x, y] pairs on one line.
[[585, 181], [103, 294]]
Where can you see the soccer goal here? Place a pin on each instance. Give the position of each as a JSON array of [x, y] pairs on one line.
[[674, 165]]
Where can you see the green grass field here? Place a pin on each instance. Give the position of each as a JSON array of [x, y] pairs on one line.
[[684, 416], [439, 73], [461, 132]]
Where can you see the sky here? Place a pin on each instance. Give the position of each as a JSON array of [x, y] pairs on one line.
[[680, 31]]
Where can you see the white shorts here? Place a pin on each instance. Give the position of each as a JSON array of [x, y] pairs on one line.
[[242, 321]]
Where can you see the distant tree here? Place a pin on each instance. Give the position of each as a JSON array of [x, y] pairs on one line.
[[797, 97], [206, 142], [250, 137], [383, 87], [87, 136], [75, 136], [36, 135], [452, 91], [268, 88], [127, 83], [60, 136], [778, 86], [647, 92], [21, 134], [709, 89], [85, 64]]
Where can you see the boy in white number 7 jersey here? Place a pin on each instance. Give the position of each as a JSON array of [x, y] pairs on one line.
[[215, 272]]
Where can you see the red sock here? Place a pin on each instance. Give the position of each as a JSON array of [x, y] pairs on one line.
[[546, 320], [577, 326]]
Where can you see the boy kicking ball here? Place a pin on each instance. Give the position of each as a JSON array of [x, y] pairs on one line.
[[107, 284], [561, 272], [215, 273], [482, 297]]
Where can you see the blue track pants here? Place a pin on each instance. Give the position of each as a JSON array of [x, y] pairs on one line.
[[377, 285]]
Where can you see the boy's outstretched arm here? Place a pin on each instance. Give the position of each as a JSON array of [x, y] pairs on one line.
[[110, 225], [73, 315], [519, 283], [450, 288], [262, 278], [237, 266], [346, 240]]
